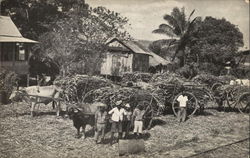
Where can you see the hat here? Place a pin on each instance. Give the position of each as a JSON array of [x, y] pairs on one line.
[[118, 102], [127, 105]]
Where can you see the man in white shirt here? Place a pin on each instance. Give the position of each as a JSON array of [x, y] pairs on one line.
[[182, 99], [116, 120]]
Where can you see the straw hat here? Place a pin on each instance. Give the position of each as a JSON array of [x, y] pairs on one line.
[[127, 105], [118, 102]]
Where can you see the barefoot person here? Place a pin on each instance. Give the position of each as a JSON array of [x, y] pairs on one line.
[[127, 120], [182, 113], [138, 116], [100, 122], [116, 120]]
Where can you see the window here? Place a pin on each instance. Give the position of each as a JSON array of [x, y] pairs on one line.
[[7, 50], [21, 53], [10, 49]]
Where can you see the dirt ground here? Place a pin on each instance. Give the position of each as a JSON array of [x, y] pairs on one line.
[[48, 136]]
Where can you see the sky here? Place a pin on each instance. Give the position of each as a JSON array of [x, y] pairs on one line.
[[146, 15]]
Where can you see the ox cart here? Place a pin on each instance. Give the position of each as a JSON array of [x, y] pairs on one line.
[[166, 95], [155, 101], [233, 96], [34, 100]]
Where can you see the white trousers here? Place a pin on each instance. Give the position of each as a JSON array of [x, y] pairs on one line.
[[138, 126]]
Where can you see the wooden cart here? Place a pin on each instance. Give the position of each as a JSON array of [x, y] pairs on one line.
[[233, 96]]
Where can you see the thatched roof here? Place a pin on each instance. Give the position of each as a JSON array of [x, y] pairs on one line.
[[10, 33]]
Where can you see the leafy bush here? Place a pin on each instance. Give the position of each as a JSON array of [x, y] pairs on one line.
[[8, 80]]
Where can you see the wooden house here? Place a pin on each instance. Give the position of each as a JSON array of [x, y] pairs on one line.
[[14, 48], [124, 56], [129, 56]]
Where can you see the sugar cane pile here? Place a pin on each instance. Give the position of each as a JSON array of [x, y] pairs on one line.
[[76, 87], [136, 76], [167, 77], [109, 95], [210, 80], [234, 90], [159, 90]]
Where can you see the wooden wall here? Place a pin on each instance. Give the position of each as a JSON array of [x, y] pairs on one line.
[[116, 63], [140, 63]]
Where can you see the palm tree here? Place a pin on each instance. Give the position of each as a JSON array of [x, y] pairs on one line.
[[180, 27]]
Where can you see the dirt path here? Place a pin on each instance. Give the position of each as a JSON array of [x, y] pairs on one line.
[[49, 136]]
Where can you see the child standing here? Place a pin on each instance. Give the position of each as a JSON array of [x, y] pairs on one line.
[[138, 120]]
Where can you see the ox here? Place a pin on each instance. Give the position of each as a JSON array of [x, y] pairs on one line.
[[36, 95], [81, 115]]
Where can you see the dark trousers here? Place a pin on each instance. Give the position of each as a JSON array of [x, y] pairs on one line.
[[182, 114], [116, 127], [126, 127]]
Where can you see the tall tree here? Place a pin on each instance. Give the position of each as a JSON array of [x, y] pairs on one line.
[[180, 27], [80, 39], [216, 41], [35, 17]]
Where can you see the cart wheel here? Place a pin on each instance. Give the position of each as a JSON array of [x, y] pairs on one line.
[[243, 103], [231, 101], [215, 86], [192, 104]]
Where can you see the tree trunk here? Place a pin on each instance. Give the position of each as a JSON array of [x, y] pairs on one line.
[[182, 57], [63, 71]]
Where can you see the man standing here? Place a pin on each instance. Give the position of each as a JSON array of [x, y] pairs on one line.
[[127, 120], [182, 113], [100, 122], [116, 120], [137, 120]]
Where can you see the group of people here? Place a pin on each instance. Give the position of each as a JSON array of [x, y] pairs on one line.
[[122, 119]]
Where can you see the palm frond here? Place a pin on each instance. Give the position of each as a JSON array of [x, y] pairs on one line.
[[163, 31], [173, 22], [191, 14], [191, 25], [180, 17], [168, 29]]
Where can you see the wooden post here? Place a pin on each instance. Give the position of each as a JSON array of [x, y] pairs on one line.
[[13, 56]]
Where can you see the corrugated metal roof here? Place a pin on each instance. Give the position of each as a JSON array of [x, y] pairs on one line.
[[10, 33], [134, 46], [131, 45], [154, 59], [138, 47]]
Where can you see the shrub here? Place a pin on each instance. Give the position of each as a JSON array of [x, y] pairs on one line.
[[8, 81]]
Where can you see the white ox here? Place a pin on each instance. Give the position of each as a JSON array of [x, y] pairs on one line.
[[244, 82], [36, 95]]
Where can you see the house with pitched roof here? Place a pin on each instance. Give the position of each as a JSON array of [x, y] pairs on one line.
[[128, 56], [14, 48]]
